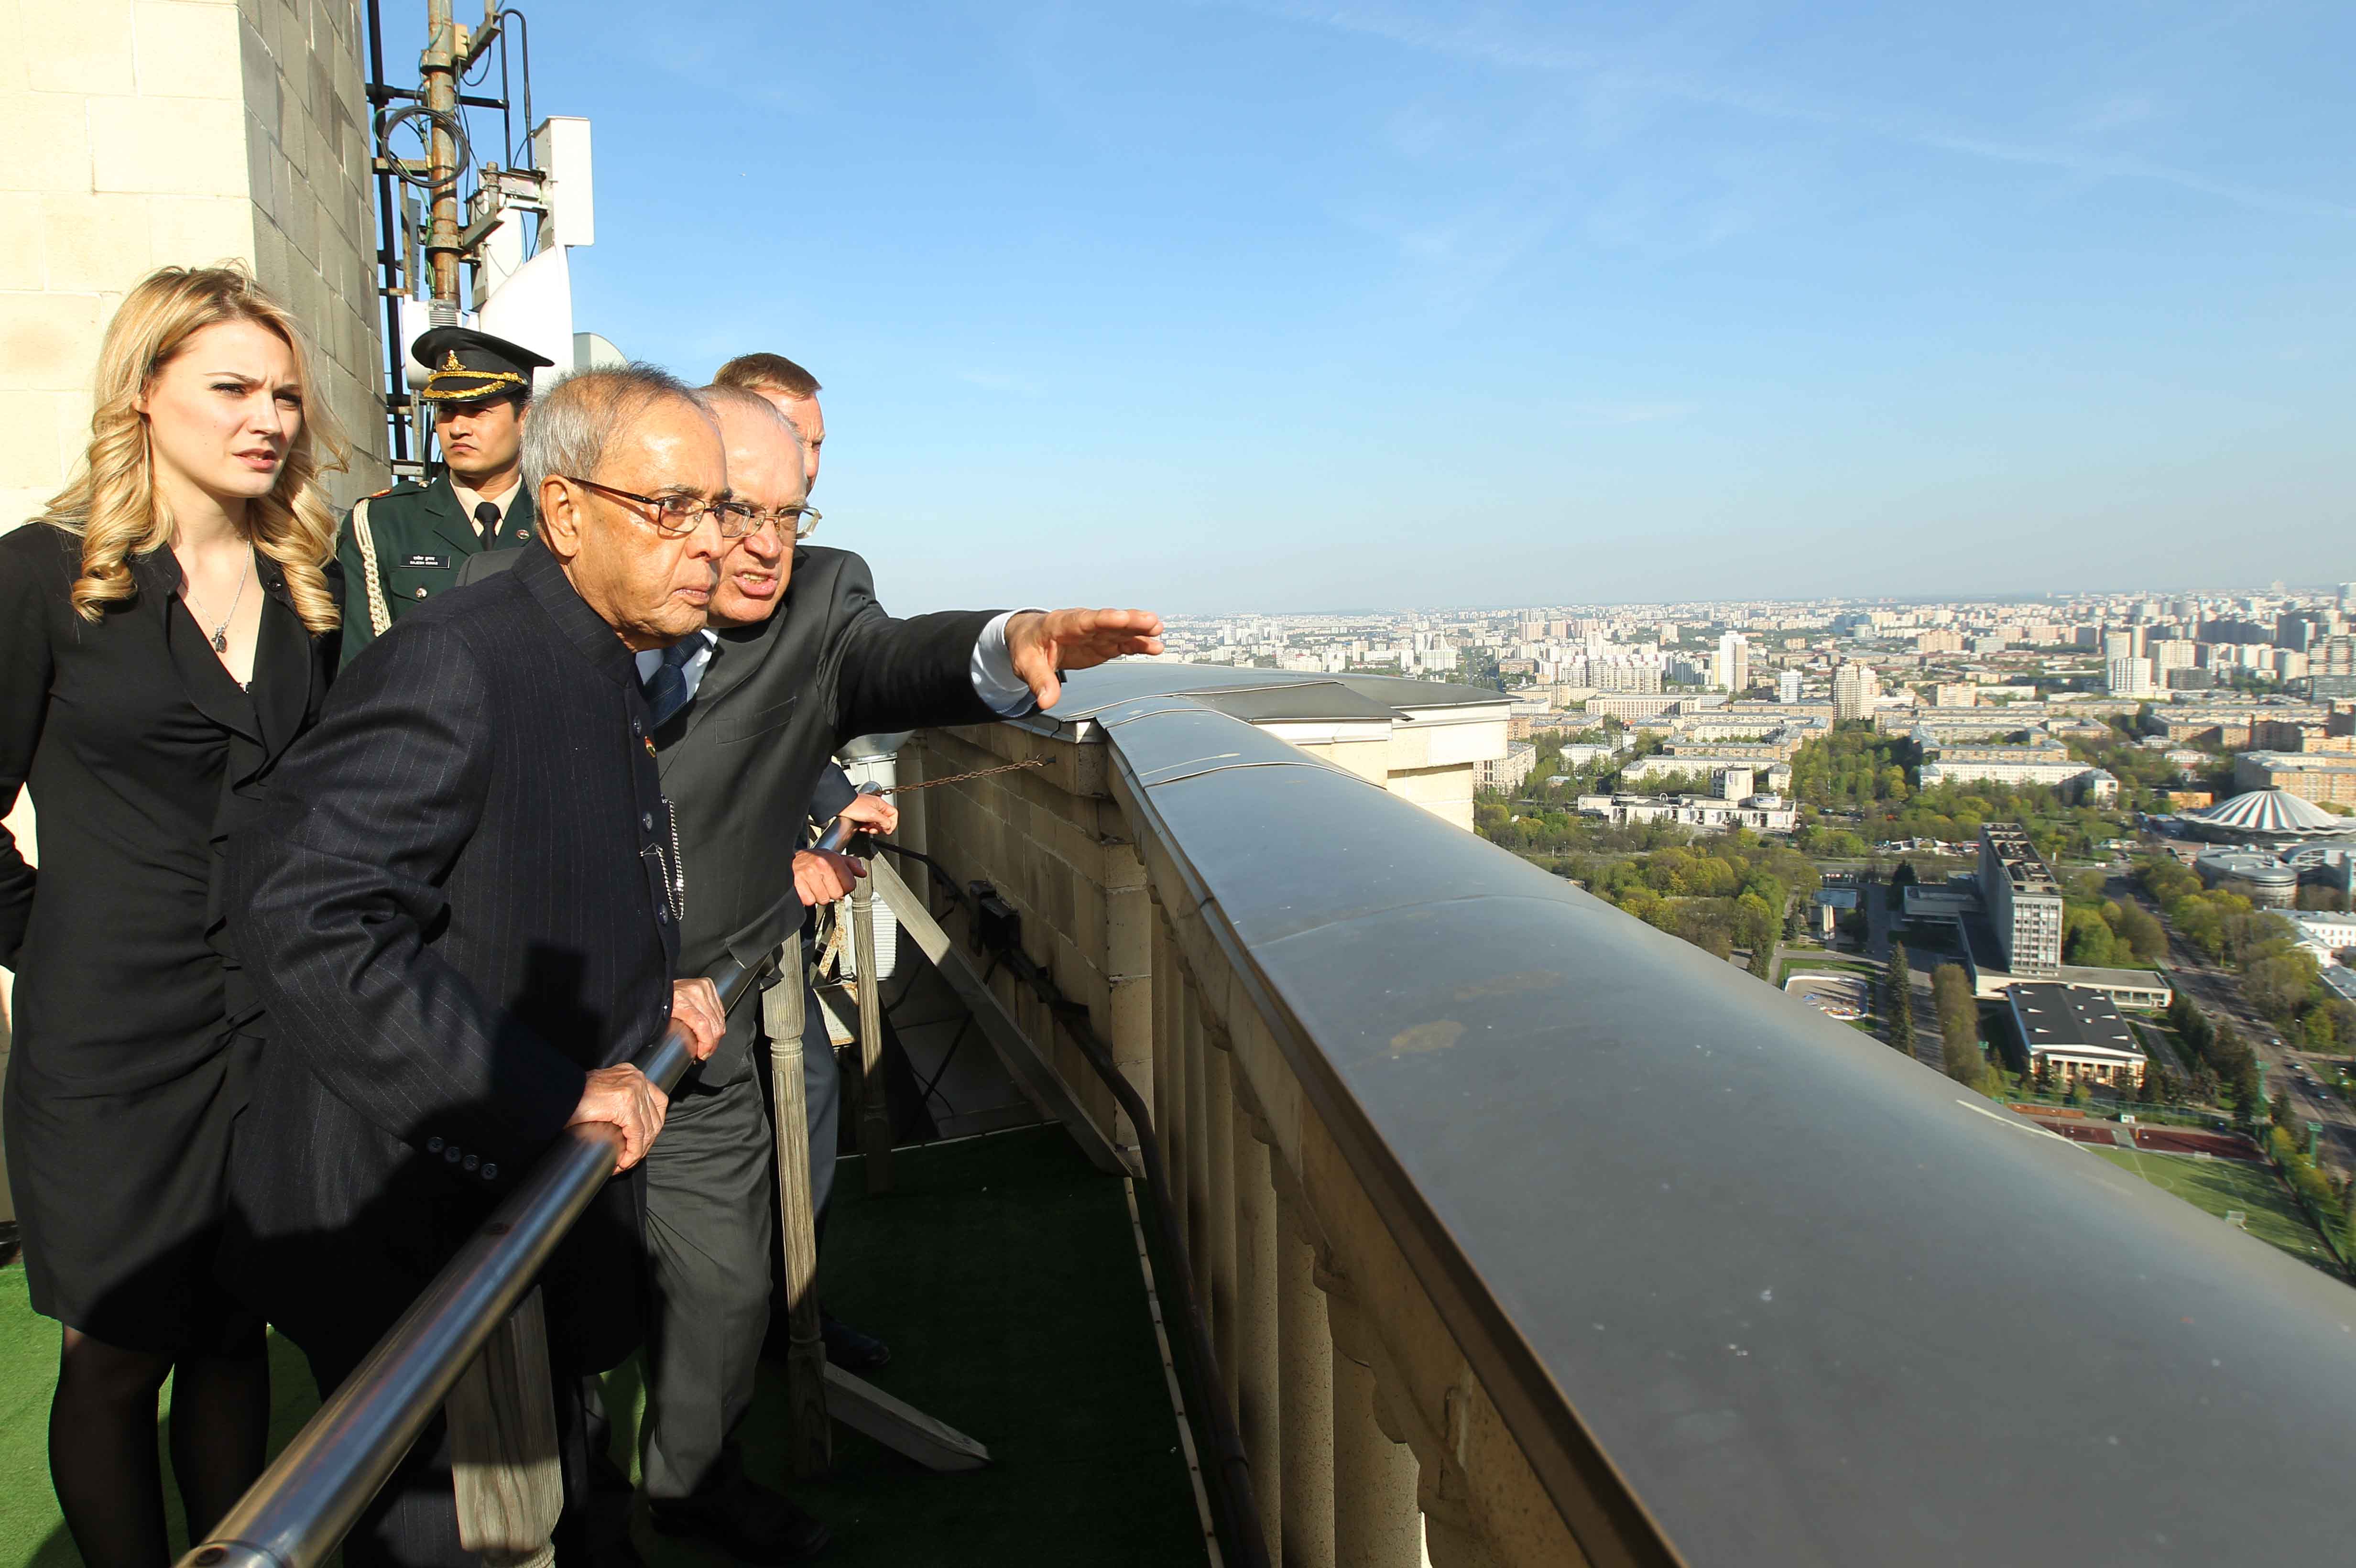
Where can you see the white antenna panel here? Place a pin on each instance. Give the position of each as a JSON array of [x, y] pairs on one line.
[[561, 146]]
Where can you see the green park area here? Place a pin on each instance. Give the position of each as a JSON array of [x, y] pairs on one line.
[[2217, 1186]]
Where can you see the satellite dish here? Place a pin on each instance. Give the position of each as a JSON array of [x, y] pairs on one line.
[[592, 351]]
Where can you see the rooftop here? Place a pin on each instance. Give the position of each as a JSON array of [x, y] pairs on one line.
[[2054, 1017], [2302, 761], [2262, 814], [2023, 866]]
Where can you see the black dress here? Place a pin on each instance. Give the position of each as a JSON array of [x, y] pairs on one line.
[[134, 1031]]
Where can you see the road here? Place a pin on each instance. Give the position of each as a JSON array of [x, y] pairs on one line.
[[2219, 993]]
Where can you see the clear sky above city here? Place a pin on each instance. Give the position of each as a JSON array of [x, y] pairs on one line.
[[1269, 306]]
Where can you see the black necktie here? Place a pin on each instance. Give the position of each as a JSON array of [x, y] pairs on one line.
[[487, 520], [666, 690]]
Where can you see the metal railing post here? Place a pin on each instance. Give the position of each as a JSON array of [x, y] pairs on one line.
[[810, 1436], [874, 1110], [502, 1422]]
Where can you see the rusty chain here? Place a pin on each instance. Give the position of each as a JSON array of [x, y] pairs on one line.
[[976, 774]]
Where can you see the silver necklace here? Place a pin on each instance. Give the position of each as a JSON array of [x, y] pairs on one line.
[[220, 632]]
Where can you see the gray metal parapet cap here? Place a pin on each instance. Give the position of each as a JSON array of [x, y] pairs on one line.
[[1799, 1299]]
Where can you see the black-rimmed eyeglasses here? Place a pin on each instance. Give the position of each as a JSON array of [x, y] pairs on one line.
[[677, 515]]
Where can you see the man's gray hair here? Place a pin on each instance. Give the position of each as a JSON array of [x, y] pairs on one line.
[[720, 395], [571, 422]]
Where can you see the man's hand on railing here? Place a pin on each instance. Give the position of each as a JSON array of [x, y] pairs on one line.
[[821, 876], [622, 1096], [873, 813], [1043, 644], [695, 1007]]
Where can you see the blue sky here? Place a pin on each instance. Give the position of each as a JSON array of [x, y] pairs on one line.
[[1269, 306]]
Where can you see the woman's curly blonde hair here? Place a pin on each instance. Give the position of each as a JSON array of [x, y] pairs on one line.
[[112, 502]]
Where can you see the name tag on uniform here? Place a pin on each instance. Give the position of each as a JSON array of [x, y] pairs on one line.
[[442, 562]]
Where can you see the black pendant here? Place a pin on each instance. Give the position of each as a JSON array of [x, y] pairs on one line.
[[220, 641]]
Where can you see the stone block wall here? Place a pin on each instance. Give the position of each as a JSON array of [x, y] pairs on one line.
[[307, 149], [147, 133], [1370, 1437], [1053, 843]]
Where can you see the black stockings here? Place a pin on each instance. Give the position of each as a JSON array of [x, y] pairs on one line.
[[102, 1457]]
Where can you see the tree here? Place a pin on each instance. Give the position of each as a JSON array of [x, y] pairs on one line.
[[2146, 938], [1754, 923], [2086, 937], [1959, 1025], [2281, 984]]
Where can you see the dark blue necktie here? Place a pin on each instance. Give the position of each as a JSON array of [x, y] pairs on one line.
[[666, 690]]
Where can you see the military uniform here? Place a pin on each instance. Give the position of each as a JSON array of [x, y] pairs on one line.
[[402, 546], [422, 537]]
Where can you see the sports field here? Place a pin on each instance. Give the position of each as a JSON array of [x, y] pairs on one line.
[[2217, 1185]]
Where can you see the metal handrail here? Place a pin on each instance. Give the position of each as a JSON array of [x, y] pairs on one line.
[[298, 1511], [300, 1508]]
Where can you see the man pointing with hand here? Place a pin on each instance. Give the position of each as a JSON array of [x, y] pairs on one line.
[[799, 657]]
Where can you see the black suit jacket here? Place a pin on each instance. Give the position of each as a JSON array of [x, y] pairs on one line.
[[453, 910], [743, 761], [141, 752]]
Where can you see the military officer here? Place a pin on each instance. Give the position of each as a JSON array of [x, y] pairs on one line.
[[402, 546]]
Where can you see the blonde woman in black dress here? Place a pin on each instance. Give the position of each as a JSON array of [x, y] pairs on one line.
[[167, 628]]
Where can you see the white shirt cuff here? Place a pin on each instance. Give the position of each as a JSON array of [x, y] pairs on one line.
[[1004, 692]]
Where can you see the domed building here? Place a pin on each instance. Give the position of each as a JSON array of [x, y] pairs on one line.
[[2264, 817], [2255, 875]]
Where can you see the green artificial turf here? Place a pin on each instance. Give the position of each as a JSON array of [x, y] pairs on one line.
[[31, 1529], [1003, 1273], [2218, 1185]]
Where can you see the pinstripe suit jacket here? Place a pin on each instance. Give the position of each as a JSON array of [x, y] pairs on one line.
[[450, 908]]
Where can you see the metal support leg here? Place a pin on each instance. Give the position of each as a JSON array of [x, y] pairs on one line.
[[810, 1440], [816, 1391], [874, 1111]]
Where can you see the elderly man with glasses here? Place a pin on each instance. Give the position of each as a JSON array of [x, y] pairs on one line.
[[796, 658], [460, 904]]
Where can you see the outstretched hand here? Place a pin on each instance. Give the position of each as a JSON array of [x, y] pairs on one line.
[[1046, 642]]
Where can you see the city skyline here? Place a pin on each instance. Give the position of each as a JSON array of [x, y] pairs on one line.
[[2054, 597]]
